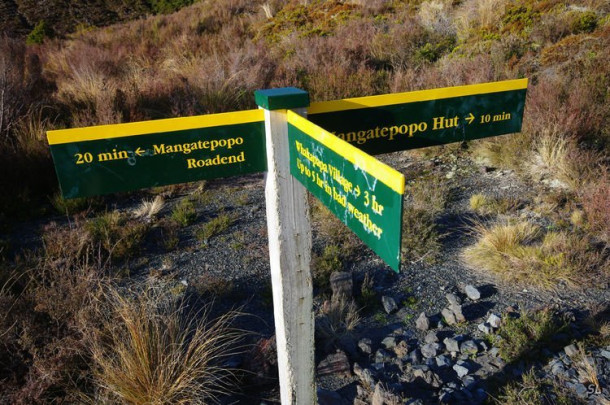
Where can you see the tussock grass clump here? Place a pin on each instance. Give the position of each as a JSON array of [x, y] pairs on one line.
[[522, 252], [150, 208], [155, 351], [559, 159], [337, 318]]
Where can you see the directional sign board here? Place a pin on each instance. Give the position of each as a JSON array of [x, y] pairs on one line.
[[394, 122], [362, 192], [123, 157]]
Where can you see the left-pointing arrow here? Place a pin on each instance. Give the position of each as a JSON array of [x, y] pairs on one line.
[[140, 151]]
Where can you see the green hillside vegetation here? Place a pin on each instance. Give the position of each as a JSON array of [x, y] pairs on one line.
[[61, 17], [209, 57]]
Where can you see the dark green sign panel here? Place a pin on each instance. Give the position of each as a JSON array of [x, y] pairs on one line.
[[362, 192], [394, 122], [106, 159]]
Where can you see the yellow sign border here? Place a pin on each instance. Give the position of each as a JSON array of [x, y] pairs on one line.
[[414, 96], [151, 127], [390, 177]]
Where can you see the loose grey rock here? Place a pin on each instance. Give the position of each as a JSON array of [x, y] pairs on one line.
[[389, 342], [365, 375], [448, 316], [401, 349], [453, 300], [485, 328], [457, 311], [415, 357], [581, 391], [451, 344], [420, 371], [381, 356], [365, 346], [389, 304], [469, 382], [430, 350], [469, 347], [431, 337], [442, 361], [422, 322], [571, 350], [494, 321], [557, 368], [336, 363], [472, 292], [341, 284], [461, 368], [605, 354], [494, 351]]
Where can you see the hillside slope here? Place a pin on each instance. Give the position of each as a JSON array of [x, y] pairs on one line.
[[523, 217]]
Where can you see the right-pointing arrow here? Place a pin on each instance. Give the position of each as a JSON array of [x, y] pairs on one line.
[[470, 118]]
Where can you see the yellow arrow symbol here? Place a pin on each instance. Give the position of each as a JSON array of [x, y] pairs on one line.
[[470, 118], [357, 191], [140, 151]]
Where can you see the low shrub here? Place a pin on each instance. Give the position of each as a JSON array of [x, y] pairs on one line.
[[595, 199], [120, 237], [523, 337], [214, 226], [184, 213], [324, 265], [38, 34], [533, 390]]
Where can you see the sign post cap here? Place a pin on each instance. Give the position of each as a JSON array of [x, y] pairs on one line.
[[281, 99]]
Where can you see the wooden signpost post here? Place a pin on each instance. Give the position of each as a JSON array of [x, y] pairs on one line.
[[325, 149]]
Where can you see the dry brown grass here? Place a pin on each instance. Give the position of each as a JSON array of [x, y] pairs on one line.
[[155, 351], [595, 198], [148, 209], [478, 14], [337, 318], [522, 253]]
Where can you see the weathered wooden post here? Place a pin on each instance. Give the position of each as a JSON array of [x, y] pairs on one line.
[[289, 233]]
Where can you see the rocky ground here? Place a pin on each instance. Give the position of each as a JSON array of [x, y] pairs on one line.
[[428, 334]]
